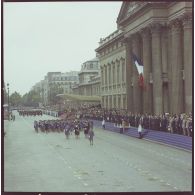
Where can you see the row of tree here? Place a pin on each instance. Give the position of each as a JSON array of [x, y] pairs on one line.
[[32, 98], [29, 99]]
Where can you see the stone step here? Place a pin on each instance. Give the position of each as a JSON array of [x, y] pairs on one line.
[[180, 141]]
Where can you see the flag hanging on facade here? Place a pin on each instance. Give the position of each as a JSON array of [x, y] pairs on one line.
[[140, 68]]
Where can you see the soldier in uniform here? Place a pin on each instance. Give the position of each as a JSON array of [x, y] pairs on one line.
[[91, 135]]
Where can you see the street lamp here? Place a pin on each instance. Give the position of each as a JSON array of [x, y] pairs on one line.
[[8, 98]]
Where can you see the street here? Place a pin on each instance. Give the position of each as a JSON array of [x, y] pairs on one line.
[[39, 162]]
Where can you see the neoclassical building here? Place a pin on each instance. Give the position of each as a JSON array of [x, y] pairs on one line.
[[160, 35], [89, 79], [112, 56]]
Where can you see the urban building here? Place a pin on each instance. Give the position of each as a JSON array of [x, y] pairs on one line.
[[58, 81], [160, 35], [112, 57], [89, 79]]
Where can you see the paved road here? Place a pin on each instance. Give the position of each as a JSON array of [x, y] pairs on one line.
[[115, 163]]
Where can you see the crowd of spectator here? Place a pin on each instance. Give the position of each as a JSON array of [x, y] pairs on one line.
[[180, 124]]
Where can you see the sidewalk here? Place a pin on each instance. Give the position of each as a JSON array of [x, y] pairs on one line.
[[179, 141]]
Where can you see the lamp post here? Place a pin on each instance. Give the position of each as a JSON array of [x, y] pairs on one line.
[[8, 98]]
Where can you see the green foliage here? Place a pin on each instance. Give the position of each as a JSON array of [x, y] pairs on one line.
[[15, 99], [31, 99], [54, 90]]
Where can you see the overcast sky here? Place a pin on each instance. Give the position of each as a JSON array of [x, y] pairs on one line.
[[52, 36]]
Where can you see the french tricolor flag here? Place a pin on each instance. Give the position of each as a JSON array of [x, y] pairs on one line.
[[140, 68]]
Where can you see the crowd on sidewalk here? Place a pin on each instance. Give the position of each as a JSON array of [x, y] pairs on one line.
[[179, 124]]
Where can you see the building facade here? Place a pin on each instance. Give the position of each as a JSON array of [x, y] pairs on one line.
[[89, 79], [56, 80], [112, 56], [160, 35]]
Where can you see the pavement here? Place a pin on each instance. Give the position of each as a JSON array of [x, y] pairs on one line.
[[115, 163]]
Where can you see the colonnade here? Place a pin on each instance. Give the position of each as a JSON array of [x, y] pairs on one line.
[[113, 83], [113, 73], [166, 53], [116, 101]]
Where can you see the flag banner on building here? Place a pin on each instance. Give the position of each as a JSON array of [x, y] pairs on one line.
[[140, 68]]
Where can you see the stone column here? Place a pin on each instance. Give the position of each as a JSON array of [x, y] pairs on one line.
[[119, 101], [122, 106], [177, 83], [147, 62], [169, 68], [164, 41], [188, 71], [116, 101], [128, 74], [156, 68], [110, 101], [137, 95]]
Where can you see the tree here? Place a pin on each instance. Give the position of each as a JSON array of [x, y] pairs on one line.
[[32, 98], [54, 90], [15, 99]]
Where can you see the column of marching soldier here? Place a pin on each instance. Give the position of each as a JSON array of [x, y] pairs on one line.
[[68, 126]]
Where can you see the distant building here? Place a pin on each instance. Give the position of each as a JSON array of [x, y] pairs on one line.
[[89, 79], [64, 81]]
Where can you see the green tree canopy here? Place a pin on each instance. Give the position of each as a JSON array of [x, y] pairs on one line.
[[31, 99], [15, 99], [54, 90]]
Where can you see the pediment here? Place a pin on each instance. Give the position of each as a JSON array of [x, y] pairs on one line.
[[127, 9]]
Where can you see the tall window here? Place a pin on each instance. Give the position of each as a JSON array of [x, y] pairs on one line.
[[113, 74], [106, 75], [109, 74], [102, 76], [118, 71], [123, 70]]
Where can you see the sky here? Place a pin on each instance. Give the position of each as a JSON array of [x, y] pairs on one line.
[[41, 37]]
